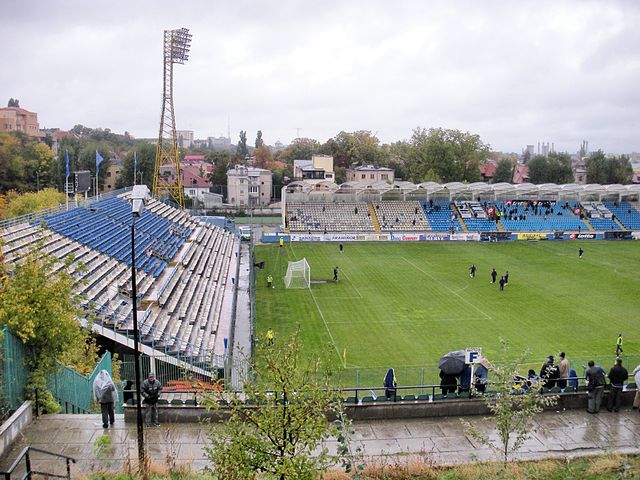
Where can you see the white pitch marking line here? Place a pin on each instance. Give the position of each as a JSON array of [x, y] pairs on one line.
[[325, 324], [352, 284], [448, 288]]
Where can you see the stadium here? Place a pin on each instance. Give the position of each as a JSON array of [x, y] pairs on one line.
[[404, 296]]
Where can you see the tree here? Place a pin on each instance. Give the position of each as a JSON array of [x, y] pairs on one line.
[[259, 141], [242, 151], [554, 168], [360, 147], [606, 171], [444, 155], [504, 171], [280, 433], [38, 304], [299, 149], [16, 204], [14, 102], [145, 154], [262, 157], [513, 405]]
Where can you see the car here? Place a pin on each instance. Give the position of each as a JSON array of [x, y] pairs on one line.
[[245, 233]]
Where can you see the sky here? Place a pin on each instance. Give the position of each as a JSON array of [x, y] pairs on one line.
[[515, 73]]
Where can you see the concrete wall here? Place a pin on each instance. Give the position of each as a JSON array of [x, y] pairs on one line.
[[383, 410], [14, 426]]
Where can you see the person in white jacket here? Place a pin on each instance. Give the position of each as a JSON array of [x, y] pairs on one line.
[[104, 391], [636, 375]]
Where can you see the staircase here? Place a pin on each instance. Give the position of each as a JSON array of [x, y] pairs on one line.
[[374, 217], [460, 219]]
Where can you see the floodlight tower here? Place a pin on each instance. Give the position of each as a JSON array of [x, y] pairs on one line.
[[176, 50]]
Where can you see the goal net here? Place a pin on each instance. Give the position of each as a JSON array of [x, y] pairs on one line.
[[298, 275]]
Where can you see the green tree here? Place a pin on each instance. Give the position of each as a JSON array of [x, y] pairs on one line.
[[554, 168], [281, 434], [145, 154], [259, 140], [445, 155], [262, 157], [242, 151], [13, 102], [608, 170], [38, 304], [16, 204], [513, 405], [299, 149], [360, 147], [504, 171], [221, 163]]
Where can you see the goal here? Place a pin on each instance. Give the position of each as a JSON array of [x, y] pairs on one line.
[[298, 275]]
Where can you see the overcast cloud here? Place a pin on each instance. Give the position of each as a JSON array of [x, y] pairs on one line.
[[514, 72]]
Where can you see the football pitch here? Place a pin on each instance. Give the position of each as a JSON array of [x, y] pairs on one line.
[[404, 305]]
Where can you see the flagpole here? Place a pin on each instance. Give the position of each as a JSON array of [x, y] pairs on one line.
[[135, 165]]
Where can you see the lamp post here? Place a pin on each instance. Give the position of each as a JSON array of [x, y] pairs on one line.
[[139, 195]]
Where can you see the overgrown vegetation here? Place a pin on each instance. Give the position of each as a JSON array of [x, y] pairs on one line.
[[39, 306], [514, 403], [605, 467], [14, 204], [278, 431]]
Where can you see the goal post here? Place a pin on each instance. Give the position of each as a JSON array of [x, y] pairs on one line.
[[298, 274]]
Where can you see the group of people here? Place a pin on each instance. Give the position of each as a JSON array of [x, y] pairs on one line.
[[504, 279], [105, 393]]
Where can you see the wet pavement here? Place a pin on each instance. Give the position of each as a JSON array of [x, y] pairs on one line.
[[433, 440]]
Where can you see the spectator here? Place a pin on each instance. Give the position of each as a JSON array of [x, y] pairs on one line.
[[595, 387], [127, 393], [465, 380], [549, 373], [390, 384], [617, 376], [150, 391], [563, 368], [481, 378], [448, 383], [106, 395], [573, 380], [636, 400]]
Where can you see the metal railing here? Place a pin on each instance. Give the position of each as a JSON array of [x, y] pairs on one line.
[[29, 473]]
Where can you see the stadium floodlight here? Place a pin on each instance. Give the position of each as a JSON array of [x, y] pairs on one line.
[[298, 274], [139, 198]]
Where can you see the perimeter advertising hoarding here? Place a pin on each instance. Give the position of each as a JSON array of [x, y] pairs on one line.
[[466, 237], [582, 236], [532, 236], [635, 235]]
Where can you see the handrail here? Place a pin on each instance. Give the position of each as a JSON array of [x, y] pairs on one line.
[[29, 473]]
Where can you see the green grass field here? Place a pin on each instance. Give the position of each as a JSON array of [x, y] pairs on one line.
[[405, 305]]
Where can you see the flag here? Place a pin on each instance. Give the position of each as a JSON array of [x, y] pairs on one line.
[[66, 156], [99, 160]]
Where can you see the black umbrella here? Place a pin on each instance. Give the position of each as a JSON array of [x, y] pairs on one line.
[[452, 363]]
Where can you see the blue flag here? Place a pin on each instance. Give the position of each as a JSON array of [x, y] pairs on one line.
[[99, 160], [66, 156]]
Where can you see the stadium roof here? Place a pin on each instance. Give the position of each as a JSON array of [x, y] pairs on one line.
[[458, 189]]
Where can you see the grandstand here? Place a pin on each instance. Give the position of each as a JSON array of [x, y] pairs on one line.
[[456, 207], [184, 272]]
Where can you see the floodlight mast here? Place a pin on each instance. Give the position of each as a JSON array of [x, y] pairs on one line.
[[176, 50]]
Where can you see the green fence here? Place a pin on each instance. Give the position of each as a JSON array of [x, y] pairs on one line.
[[74, 391], [71, 389], [14, 370]]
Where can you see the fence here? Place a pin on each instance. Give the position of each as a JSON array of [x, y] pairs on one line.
[[429, 374], [71, 389], [14, 369]]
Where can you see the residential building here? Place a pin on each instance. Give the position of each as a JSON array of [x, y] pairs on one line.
[[195, 178], [219, 143], [16, 119], [370, 174], [113, 172], [249, 186], [185, 138], [319, 168], [487, 171]]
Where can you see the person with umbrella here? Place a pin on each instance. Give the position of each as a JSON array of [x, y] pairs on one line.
[[451, 365], [390, 384]]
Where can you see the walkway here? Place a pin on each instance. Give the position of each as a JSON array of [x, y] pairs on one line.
[[438, 440]]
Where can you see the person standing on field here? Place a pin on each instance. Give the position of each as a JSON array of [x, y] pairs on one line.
[[335, 274], [619, 345], [494, 275], [580, 252], [506, 277], [472, 270], [341, 248]]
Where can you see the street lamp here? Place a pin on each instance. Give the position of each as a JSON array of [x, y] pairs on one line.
[[139, 197]]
